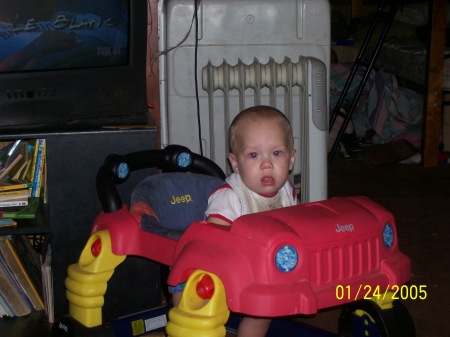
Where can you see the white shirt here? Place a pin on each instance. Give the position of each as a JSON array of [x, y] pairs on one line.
[[234, 199]]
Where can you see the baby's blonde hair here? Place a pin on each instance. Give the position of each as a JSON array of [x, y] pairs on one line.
[[260, 112]]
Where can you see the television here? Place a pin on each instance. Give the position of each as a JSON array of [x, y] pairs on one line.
[[72, 63]]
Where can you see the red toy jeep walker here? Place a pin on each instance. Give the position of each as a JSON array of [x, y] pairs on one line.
[[289, 261]]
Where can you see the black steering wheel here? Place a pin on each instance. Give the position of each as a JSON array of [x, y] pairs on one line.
[[174, 158]]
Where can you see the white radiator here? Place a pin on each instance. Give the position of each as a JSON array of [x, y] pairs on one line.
[[308, 115], [248, 53]]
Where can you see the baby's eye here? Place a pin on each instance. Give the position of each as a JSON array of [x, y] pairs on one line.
[[277, 153], [253, 155]]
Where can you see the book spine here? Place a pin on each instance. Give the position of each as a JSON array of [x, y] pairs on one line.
[[13, 203], [13, 197], [12, 193], [4, 173], [47, 283], [11, 294], [30, 173], [15, 186], [39, 169], [5, 223], [6, 306], [30, 259], [15, 281], [7, 215]]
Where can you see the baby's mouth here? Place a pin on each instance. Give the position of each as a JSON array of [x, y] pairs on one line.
[[268, 181]]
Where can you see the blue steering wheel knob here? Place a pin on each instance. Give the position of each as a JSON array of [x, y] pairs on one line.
[[184, 159], [123, 170]]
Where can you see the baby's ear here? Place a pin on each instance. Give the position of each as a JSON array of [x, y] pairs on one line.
[[292, 160], [233, 162]]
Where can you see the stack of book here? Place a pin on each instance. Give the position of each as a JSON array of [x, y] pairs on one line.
[[24, 282], [22, 179]]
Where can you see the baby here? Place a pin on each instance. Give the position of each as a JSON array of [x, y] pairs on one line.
[[261, 156]]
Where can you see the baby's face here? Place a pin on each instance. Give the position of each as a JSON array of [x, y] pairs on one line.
[[263, 159]]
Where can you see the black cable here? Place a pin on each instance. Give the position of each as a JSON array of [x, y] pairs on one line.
[[196, 80]]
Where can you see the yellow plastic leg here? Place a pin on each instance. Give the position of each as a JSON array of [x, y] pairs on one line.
[[86, 282], [385, 300], [197, 317]]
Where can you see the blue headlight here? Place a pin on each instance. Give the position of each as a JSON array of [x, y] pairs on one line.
[[123, 170], [184, 159], [388, 235], [286, 258]]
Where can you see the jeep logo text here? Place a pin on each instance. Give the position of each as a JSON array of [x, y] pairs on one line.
[[344, 228], [181, 199]]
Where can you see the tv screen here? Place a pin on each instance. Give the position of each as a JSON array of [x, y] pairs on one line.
[[72, 63]]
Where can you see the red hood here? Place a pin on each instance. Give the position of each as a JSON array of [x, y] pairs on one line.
[[315, 222]]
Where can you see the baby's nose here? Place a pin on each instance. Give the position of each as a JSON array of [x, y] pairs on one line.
[[266, 164]]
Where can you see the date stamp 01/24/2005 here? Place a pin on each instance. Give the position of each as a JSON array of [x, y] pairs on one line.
[[369, 292]]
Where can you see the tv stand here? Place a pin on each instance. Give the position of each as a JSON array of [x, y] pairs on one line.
[[73, 158]]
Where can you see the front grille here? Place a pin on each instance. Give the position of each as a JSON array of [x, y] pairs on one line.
[[344, 262]]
